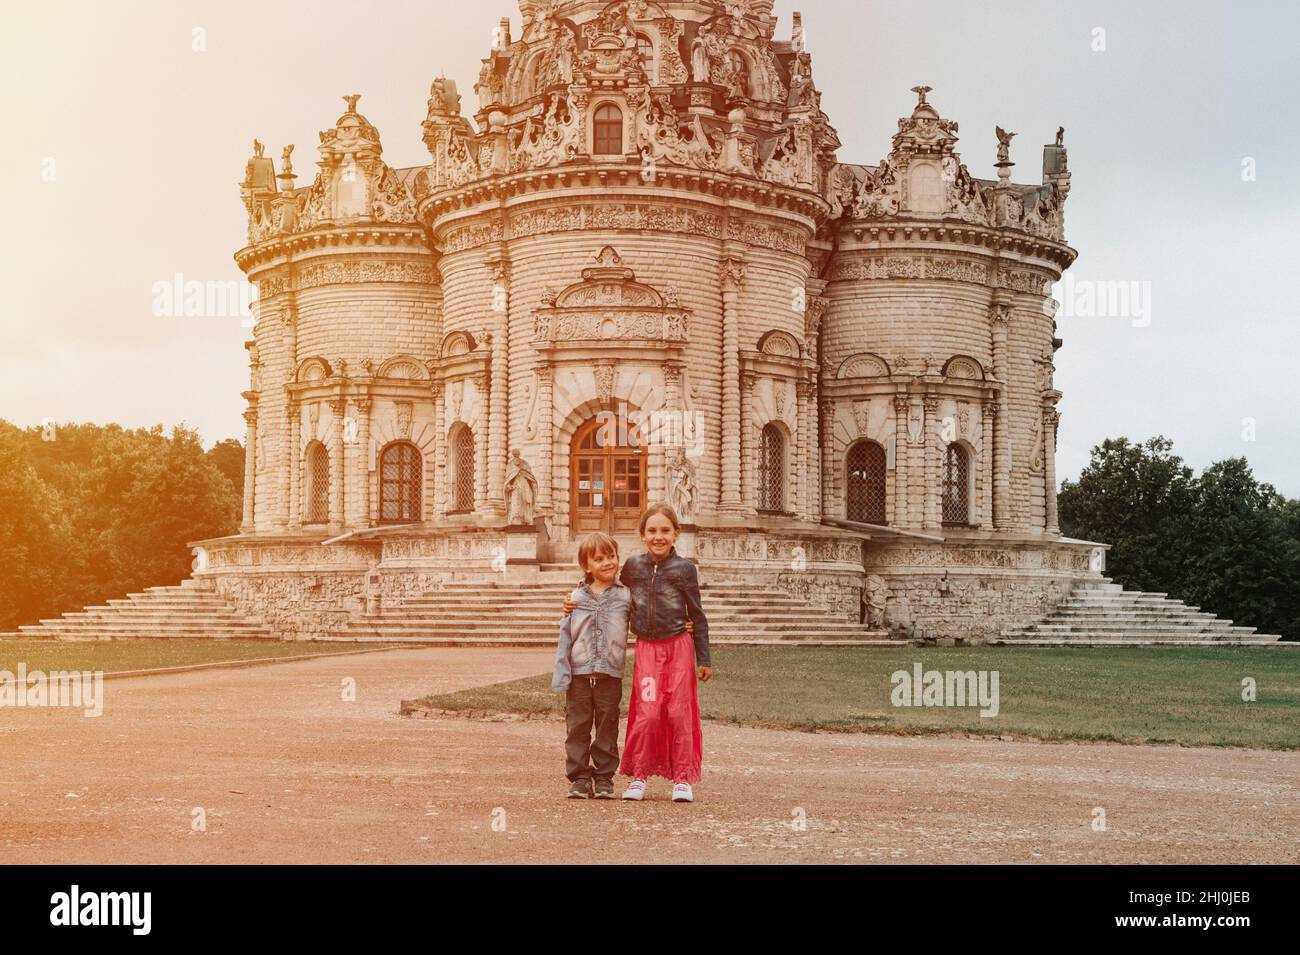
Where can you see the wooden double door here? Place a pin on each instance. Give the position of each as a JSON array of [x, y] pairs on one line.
[[607, 479]]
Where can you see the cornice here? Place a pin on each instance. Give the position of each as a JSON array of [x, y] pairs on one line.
[[728, 187], [348, 237]]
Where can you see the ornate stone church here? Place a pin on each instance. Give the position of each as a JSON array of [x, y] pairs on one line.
[[638, 270]]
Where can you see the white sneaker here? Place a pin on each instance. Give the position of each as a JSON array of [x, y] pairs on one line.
[[682, 792], [635, 790]]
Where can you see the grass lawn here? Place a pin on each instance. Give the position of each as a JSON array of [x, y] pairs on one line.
[[1190, 696], [111, 656]]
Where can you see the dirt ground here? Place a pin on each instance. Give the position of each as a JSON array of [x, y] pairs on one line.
[[280, 768]]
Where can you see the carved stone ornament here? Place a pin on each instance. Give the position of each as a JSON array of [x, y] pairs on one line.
[[610, 308]]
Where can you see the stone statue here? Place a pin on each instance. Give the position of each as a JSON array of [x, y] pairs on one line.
[[257, 148], [1060, 135], [699, 63], [1004, 144], [874, 596], [351, 100], [521, 490], [920, 92], [285, 161], [681, 487], [565, 53]]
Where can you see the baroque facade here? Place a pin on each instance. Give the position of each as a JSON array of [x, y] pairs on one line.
[[640, 272]]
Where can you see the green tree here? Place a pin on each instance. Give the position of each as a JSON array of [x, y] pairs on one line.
[[102, 511], [228, 457], [1128, 496], [1223, 541], [1240, 554]]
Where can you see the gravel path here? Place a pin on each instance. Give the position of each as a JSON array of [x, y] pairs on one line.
[[285, 770]]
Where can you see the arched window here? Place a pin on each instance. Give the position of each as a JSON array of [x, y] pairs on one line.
[[646, 52], [463, 476], [607, 131], [865, 486], [771, 469], [399, 483], [956, 477], [318, 484]]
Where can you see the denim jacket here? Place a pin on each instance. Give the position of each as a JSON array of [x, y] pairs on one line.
[[593, 637], [667, 593]]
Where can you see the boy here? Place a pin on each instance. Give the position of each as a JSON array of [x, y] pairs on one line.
[[589, 668]]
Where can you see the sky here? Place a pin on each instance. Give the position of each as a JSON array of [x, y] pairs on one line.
[[129, 126]]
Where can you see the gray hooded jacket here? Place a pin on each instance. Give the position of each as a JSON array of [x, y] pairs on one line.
[[593, 638]]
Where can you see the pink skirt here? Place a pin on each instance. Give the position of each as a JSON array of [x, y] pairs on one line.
[[664, 737]]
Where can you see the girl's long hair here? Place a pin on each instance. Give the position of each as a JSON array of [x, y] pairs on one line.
[[663, 509]]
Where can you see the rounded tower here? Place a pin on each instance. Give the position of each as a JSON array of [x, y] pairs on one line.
[[622, 233], [340, 409]]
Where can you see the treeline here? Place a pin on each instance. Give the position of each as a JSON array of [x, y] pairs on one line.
[[90, 512], [1222, 541]]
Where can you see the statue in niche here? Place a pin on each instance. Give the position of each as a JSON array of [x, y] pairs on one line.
[[681, 487], [874, 597], [521, 491]]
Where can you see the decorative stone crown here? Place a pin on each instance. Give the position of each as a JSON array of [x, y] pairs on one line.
[[354, 184]]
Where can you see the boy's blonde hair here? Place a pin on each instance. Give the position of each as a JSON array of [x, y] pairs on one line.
[[595, 544]]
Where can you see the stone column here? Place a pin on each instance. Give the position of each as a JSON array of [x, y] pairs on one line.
[[338, 407], [363, 440], [546, 466], [901, 404], [815, 508], [289, 342], [815, 311], [498, 407], [1051, 418], [435, 483], [294, 468], [481, 443], [990, 412], [247, 526], [670, 436], [749, 439], [733, 274], [933, 464], [802, 473], [1001, 318], [827, 453]]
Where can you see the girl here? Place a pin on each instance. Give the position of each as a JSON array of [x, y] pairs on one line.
[[664, 736]]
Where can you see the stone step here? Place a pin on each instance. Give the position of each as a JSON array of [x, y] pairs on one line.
[[549, 614], [1012, 640], [164, 611], [110, 633], [509, 641], [523, 626], [1108, 615], [1054, 628], [1123, 634], [1081, 609], [549, 601]]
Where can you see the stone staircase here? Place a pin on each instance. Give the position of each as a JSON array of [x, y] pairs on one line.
[[528, 614], [1110, 616], [186, 611]]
